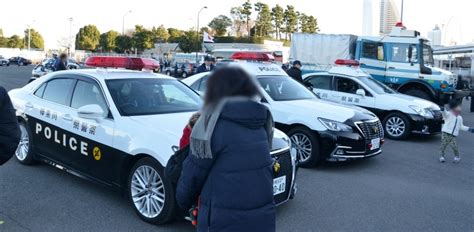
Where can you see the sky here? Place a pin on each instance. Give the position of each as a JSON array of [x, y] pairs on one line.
[[334, 16]]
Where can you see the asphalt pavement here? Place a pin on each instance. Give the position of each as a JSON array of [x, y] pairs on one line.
[[403, 189]]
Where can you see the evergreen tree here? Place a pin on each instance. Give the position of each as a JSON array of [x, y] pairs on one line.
[[278, 19], [290, 21], [247, 11]]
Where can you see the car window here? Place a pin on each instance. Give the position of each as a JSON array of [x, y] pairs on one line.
[[57, 90], [321, 82], [196, 84], [39, 92], [86, 93], [401, 53], [174, 94], [376, 86], [284, 88], [138, 96], [203, 85], [347, 85], [372, 50]]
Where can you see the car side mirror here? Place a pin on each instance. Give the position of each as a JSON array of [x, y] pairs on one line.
[[94, 112], [360, 92]]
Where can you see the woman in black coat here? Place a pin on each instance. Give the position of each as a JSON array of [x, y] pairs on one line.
[[229, 167], [9, 129]]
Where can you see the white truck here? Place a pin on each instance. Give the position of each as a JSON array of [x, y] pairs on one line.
[[403, 60]]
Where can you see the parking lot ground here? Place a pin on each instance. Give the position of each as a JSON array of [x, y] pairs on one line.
[[403, 189]]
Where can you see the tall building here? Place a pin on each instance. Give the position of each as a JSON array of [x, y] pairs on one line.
[[389, 16], [435, 36], [367, 18]]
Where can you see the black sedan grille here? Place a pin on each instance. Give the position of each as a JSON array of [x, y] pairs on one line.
[[286, 169], [371, 129]]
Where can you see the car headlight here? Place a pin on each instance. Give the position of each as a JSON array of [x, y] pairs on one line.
[[335, 126], [422, 111]]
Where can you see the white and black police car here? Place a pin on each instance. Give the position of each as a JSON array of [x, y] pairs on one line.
[[319, 130], [117, 127], [401, 114]]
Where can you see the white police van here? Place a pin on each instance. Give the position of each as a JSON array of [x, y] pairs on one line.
[[118, 127], [319, 130], [401, 114]]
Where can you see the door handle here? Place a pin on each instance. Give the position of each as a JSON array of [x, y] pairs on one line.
[[391, 67], [67, 117], [29, 105]]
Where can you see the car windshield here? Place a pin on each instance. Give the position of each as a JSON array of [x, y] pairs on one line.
[[376, 86], [283, 88], [140, 96]]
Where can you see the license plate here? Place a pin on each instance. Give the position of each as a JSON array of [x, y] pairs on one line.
[[375, 144], [279, 185]]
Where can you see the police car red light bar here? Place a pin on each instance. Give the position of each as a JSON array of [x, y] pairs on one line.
[[347, 62], [253, 56], [399, 24], [133, 63]]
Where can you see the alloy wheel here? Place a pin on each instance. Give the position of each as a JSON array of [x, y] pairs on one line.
[[395, 126], [303, 146], [148, 191], [24, 146]]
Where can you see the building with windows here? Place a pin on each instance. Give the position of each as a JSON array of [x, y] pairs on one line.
[[435, 36], [389, 16]]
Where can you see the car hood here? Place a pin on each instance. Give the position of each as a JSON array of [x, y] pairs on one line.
[[323, 109], [403, 99], [167, 129], [170, 125]]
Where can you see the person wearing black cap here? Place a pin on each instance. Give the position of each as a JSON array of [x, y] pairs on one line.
[[207, 66], [295, 71]]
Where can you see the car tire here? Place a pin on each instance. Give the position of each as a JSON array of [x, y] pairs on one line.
[[303, 139], [419, 93], [184, 75], [152, 195], [24, 152], [397, 126], [168, 73]]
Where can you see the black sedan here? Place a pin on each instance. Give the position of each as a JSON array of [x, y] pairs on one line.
[[20, 61]]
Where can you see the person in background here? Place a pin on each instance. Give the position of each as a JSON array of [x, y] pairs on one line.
[[161, 65], [453, 123], [213, 61], [56, 61], [207, 66], [9, 129], [62, 63], [230, 154], [295, 71]]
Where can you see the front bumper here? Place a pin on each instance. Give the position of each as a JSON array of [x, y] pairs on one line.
[[424, 126], [342, 146], [288, 169]]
